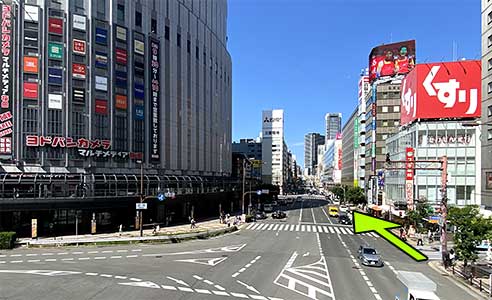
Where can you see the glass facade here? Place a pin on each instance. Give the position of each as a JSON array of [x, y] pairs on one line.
[[432, 141]]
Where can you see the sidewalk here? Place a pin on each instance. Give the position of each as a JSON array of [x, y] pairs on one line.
[[165, 234], [472, 290], [434, 246]]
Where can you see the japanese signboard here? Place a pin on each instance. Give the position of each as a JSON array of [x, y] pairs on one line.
[[78, 71], [121, 102], [6, 101], [55, 50], [101, 83], [55, 101], [55, 25], [55, 76], [139, 47], [101, 60], [155, 99], [31, 13], [79, 22], [78, 95], [139, 112], [409, 173], [139, 91], [449, 90], [78, 46], [101, 36], [121, 33], [101, 107], [121, 56]]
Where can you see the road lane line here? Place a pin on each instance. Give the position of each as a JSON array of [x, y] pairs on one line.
[[15, 255], [63, 253], [137, 250], [239, 295], [300, 213], [197, 277], [120, 277], [202, 291], [257, 297], [185, 289], [34, 260], [100, 257], [92, 252], [219, 287], [220, 293], [106, 275], [91, 274], [378, 297], [6, 255], [312, 213], [122, 251], [67, 259], [115, 256], [131, 256], [136, 279], [32, 254], [47, 254], [77, 253], [107, 251], [235, 274], [248, 265], [50, 259], [16, 261]]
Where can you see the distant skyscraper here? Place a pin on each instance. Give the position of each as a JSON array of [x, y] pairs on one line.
[[311, 143], [333, 125]]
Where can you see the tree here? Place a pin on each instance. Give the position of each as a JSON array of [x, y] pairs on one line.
[[355, 195], [338, 191], [420, 213], [471, 229]]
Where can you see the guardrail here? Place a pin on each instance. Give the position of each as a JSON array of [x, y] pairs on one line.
[[483, 284]]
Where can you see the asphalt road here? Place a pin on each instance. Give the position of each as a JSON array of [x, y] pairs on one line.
[[306, 256]]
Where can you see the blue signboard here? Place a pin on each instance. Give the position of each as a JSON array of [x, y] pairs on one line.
[[139, 91], [101, 60], [139, 112], [55, 76], [121, 80], [381, 179], [101, 36]]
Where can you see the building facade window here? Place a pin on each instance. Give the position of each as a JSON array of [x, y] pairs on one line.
[[153, 25], [384, 109], [489, 111], [166, 32], [138, 18], [489, 41], [120, 13], [396, 108], [101, 8], [178, 39], [489, 87]]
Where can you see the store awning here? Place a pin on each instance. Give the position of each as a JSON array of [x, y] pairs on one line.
[[11, 169], [376, 208], [57, 170], [33, 169]]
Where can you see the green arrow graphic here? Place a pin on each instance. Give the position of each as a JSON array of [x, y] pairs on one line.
[[366, 223]]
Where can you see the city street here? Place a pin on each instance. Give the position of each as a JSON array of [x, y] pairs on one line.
[[306, 256]]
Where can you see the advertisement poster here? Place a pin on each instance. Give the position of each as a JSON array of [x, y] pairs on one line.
[[78, 71], [31, 13], [101, 83], [6, 92], [79, 22], [121, 102], [409, 174], [78, 47], [78, 95], [30, 90], [450, 90], [31, 64], [386, 61], [55, 101], [121, 33], [55, 25], [55, 50], [55, 76], [121, 56], [101, 107], [101, 36], [139, 47]]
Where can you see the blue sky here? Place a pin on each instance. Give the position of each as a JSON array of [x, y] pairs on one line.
[[305, 56]]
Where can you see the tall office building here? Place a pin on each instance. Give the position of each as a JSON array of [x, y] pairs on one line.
[[333, 125], [97, 89], [486, 173], [273, 148], [349, 146], [311, 142]]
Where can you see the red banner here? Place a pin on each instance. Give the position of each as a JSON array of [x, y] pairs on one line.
[[442, 90], [101, 107], [79, 46], [410, 164], [55, 25]]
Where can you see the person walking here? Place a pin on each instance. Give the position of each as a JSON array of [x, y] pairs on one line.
[[120, 229], [420, 242], [193, 224]]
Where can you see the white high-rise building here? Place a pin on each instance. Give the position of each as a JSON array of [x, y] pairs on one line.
[[273, 147], [333, 125]]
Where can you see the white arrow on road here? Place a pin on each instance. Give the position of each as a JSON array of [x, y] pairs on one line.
[[147, 284], [234, 248], [204, 261], [249, 287], [177, 281]]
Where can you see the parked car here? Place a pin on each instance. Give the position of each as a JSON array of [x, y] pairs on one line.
[[345, 220], [279, 215], [369, 256], [260, 215]]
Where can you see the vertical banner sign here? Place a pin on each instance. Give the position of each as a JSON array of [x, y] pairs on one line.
[[409, 173], [34, 228], [155, 99], [6, 100]]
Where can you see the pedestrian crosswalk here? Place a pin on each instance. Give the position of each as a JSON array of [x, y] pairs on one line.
[[305, 228]]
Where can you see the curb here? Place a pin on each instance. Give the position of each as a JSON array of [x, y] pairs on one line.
[[470, 290], [164, 239]]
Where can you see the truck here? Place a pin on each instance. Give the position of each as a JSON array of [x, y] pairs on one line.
[[417, 286]]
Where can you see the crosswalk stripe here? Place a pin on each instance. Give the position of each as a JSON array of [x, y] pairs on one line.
[[262, 226], [292, 227], [314, 228], [297, 227], [331, 229], [308, 228], [303, 227], [281, 227], [250, 226], [343, 230], [325, 229], [320, 229], [336, 229], [254, 226], [350, 231], [275, 227], [373, 234], [271, 226]]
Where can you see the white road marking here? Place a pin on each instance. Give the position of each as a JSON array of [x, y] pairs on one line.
[[67, 259], [337, 231], [100, 257], [343, 230], [50, 259], [258, 297], [135, 279], [275, 227], [177, 281], [131, 256], [122, 251], [84, 258], [16, 261], [63, 253], [15, 255], [292, 227], [46, 254], [201, 291], [235, 274], [300, 211], [6, 255], [331, 230], [92, 252], [168, 287], [91, 274], [312, 213], [106, 275], [33, 260], [116, 256], [107, 251], [204, 261], [297, 228], [271, 226], [239, 295], [219, 287], [31, 254], [220, 293], [197, 277], [120, 277], [185, 289], [137, 250], [77, 253]]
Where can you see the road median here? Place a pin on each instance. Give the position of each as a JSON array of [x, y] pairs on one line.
[[119, 240]]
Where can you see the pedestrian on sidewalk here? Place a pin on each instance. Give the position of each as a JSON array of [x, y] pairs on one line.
[[192, 221], [158, 228], [420, 242], [154, 227], [452, 257], [120, 229], [429, 236], [401, 232]]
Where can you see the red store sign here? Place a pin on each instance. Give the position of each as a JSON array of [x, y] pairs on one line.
[[121, 56], [7, 23], [30, 90], [78, 71], [55, 25], [66, 142], [79, 46], [410, 163]]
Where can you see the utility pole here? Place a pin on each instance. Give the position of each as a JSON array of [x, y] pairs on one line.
[[141, 199], [244, 179]]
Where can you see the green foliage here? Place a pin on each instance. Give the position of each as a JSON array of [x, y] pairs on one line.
[[418, 215], [7, 240], [355, 195], [337, 190], [471, 229]]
